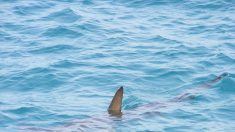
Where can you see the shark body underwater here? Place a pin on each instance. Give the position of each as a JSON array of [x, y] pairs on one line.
[[115, 110], [115, 107]]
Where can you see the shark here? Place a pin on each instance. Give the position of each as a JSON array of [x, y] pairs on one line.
[[115, 107], [115, 111]]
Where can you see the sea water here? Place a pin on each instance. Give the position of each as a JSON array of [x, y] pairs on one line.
[[61, 61]]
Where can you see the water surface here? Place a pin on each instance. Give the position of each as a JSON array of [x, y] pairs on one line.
[[62, 60]]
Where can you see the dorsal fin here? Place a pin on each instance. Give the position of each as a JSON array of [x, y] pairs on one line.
[[115, 106]]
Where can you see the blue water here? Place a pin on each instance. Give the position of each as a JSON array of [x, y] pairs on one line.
[[61, 62]]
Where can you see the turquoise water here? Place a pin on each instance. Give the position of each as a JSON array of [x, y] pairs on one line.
[[62, 61]]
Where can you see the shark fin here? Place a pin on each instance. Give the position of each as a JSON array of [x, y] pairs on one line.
[[115, 106]]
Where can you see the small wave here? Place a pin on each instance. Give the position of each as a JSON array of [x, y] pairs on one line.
[[210, 5], [132, 102], [33, 79], [163, 39], [53, 49], [169, 73], [12, 26], [87, 2], [32, 8], [206, 63], [149, 3], [222, 57], [230, 46], [61, 32], [86, 27], [63, 16], [5, 118], [4, 36], [24, 110], [201, 29], [68, 64]]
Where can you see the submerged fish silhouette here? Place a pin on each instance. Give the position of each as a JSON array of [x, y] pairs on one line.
[[115, 106], [115, 110]]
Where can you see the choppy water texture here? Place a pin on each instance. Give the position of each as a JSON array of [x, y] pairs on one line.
[[62, 61]]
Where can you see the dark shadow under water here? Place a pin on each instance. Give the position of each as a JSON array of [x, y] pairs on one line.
[[109, 121]]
